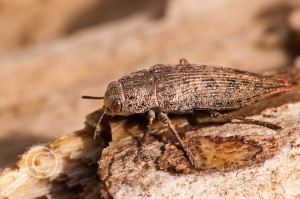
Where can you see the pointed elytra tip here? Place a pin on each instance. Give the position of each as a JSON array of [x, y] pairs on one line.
[[288, 87]]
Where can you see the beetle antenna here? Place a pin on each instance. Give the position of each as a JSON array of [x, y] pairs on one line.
[[97, 129], [91, 97]]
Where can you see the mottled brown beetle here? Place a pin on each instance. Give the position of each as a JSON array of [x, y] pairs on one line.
[[185, 88]]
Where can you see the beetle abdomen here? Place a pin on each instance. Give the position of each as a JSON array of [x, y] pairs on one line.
[[201, 87]]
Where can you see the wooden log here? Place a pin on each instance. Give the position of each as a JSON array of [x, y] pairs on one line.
[[233, 160]]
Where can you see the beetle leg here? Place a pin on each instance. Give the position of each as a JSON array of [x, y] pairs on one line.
[[150, 117], [97, 128], [252, 121], [183, 62], [165, 119]]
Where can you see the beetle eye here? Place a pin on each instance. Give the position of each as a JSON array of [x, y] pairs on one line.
[[117, 105]]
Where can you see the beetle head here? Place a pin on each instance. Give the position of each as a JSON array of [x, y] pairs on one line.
[[113, 99]]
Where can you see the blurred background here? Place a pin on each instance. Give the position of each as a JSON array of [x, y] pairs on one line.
[[52, 52]]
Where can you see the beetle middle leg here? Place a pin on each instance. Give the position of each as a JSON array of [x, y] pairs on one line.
[[150, 117], [165, 119], [252, 121]]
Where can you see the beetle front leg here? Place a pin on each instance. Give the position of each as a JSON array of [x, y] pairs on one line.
[[165, 119], [252, 121], [150, 117], [97, 128]]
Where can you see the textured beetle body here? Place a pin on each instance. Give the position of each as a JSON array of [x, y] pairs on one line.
[[185, 88]]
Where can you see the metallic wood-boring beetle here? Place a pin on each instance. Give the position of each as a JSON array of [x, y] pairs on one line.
[[185, 88]]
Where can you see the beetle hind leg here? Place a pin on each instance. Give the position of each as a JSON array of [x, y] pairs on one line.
[[150, 117], [165, 119], [250, 121]]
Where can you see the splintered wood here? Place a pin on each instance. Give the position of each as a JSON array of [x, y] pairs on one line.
[[63, 168]]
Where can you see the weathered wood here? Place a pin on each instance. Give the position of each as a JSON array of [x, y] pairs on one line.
[[233, 160]]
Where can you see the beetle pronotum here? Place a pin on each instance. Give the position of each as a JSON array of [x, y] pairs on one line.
[[185, 88]]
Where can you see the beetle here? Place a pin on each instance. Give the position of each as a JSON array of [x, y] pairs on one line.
[[186, 88]]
